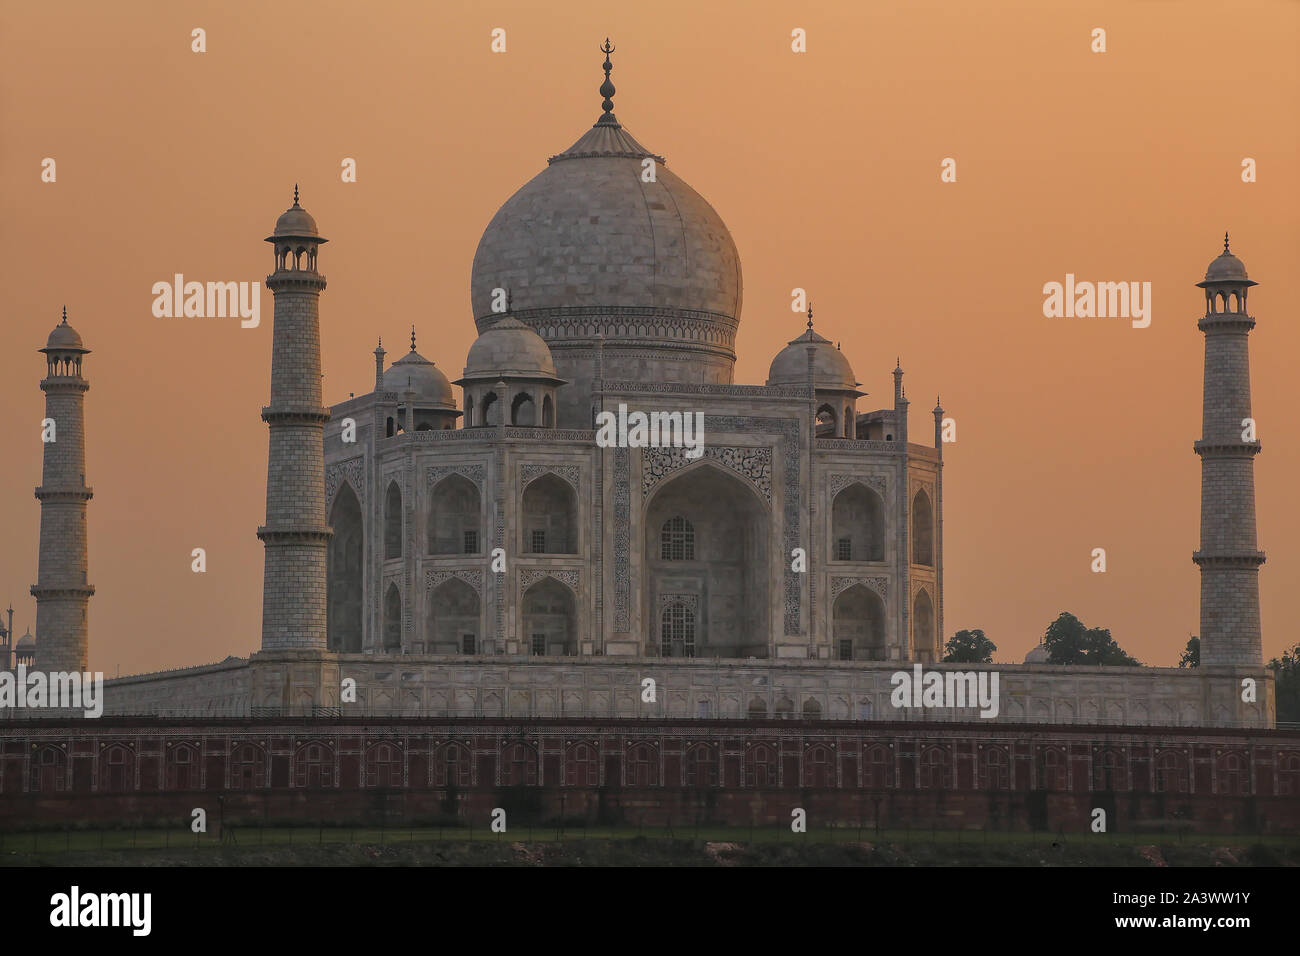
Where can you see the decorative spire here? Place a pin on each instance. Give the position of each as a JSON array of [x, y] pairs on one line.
[[412, 338], [1226, 251], [607, 88], [810, 315], [65, 315], [295, 194]]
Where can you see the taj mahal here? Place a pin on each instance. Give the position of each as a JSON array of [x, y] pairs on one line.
[[485, 556]]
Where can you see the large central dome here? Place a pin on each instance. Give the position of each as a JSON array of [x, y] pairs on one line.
[[588, 231], [593, 245]]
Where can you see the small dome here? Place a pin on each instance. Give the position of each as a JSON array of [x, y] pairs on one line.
[[1038, 654], [509, 349], [414, 371], [830, 368], [65, 337], [295, 222], [1225, 268], [26, 640]]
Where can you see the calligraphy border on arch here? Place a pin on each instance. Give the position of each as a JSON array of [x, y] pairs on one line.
[[351, 469], [473, 471], [569, 577], [878, 584], [531, 470], [434, 577]]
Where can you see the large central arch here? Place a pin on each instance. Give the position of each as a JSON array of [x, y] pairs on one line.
[[722, 577]]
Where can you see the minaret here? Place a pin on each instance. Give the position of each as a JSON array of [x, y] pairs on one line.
[[61, 592], [1228, 558], [295, 535]]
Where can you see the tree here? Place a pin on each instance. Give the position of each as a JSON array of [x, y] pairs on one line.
[[1286, 673], [1070, 641], [1192, 654], [969, 647]]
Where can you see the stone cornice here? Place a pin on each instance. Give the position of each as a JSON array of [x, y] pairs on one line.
[[295, 414], [1226, 449], [1229, 559]]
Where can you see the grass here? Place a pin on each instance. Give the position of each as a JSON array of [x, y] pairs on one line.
[[689, 845]]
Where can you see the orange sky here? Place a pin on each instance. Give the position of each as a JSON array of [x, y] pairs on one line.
[[1072, 433]]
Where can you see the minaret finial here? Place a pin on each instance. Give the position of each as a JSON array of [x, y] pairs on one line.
[[65, 315], [810, 315], [510, 297], [1225, 241], [295, 194], [412, 338], [607, 88]]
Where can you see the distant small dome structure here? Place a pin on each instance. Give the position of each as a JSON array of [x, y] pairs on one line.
[[1038, 654], [416, 373], [25, 649], [510, 377], [831, 369], [509, 348], [834, 383]]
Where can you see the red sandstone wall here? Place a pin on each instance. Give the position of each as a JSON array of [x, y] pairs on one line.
[[630, 772]]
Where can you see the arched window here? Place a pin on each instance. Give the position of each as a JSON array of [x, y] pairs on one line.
[[923, 643], [702, 766], [523, 412], [454, 517], [642, 766], [384, 766], [760, 767], [452, 616], [677, 631], [549, 620], [819, 767], [247, 767], [757, 708], [677, 540], [451, 767], [812, 710], [996, 773], [344, 571], [550, 524], [826, 421], [922, 530], [182, 768], [392, 619], [580, 766], [934, 769], [878, 769], [548, 412], [116, 769], [1052, 770], [393, 522], [314, 766], [857, 525], [491, 414], [518, 765]]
